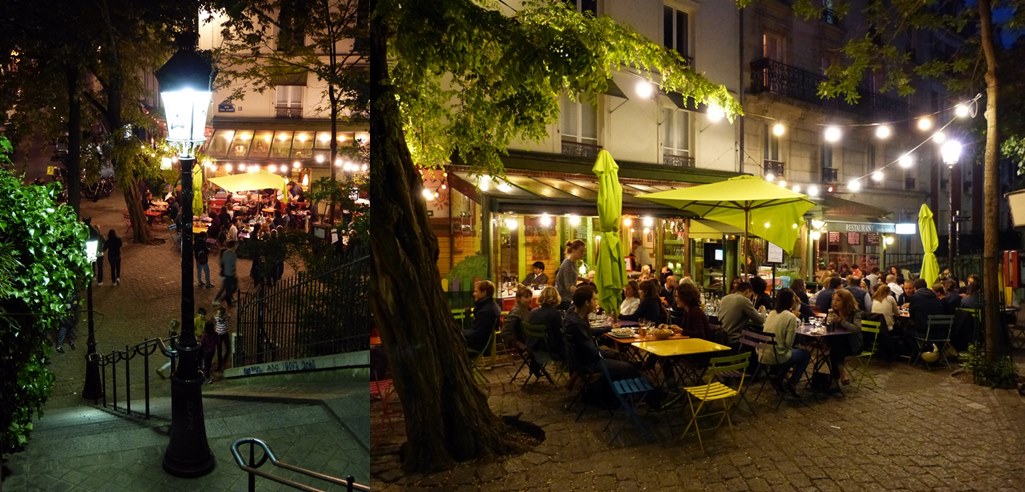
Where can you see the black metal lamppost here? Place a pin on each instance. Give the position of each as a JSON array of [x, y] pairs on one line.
[[92, 390], [185, 90], [950, 152]]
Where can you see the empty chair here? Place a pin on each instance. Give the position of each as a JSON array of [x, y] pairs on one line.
[[628, 392], [864, 359], [937, 333], [703, 398]]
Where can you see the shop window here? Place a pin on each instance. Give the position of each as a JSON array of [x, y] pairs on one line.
[[219, 143], [281, 147], [302, 146], [240, 145], [261, 144]]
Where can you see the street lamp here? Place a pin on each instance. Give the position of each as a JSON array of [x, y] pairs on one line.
[[185, 82], [92, 389], [950, 152]]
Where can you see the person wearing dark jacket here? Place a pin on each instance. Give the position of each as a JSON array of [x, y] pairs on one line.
[[952, 299], [692, 318], [485, 316], [922, 304], [548, 314], [113, 246], [824, 299], [861, 296], [759, 286], [650, 307]]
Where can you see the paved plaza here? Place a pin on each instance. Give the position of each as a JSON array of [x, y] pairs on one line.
[[919, 430], [316, 421]]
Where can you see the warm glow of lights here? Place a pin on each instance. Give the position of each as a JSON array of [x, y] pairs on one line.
[[628, 221], [770, 177], [925, 123], [644, 89], [427, 194], [227, 167], [244, 136], [939, 137], [833, 134], [783, 183], [817, 223], [306, 180], [319, 158], [484, 183], [242, 166], [815, 235], [778, 129], [282, 136], [296, 165], [648, 222], [574, 220], [272, 168], [962, 110], [302, 137], [545, 220], [504, 187], [324, 137], [878, 176], [813, 190], [715, 112], [767, 224], [797, 188], [951, 152], [511, 223], [887, 240], [905, 161], [883, 132], [854, 185]]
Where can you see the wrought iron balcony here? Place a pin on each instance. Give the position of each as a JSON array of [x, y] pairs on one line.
[[775, 167], [830, 175], [290, 112], [774, 77], [677, 160], [578, 149]]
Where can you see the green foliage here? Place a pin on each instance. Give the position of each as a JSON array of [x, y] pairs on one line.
[[998, 374], [486, 78], [6, 149], [42, 261], [472, 268]]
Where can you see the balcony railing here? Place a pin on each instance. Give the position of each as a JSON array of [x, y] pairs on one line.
[[579, 149], [290, 112], [677, 160], [830, 175], [785, 80], [775, 167]]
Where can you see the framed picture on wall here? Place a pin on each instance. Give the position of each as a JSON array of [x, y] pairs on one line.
[[648, 239]]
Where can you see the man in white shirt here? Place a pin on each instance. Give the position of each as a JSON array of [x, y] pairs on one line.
[[895, 288], [640, 254]]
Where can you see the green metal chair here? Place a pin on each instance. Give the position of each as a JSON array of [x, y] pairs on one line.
[[937, 333], [714, 390], [538, 352], [628, 392], [861, 371], [476, 359]]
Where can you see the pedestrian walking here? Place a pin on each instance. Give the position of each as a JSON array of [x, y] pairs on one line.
[[67, 325], [209, 345], [223, 337], [229, 279], [113, 245], [201, 250]]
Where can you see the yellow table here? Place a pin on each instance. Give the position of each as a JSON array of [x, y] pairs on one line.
[[676, 348]]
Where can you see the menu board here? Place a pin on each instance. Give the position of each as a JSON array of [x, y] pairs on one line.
[[853, 238], [872, 239], [834, 237]]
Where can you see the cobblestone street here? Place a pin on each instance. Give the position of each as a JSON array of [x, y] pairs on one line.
[[919, 430]]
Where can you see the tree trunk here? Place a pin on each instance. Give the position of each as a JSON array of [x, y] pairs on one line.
[[991, 207], [130, 184], [141, 233], [446, 414], [73, 161]]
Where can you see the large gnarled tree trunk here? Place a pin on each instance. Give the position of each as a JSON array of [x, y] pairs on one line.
[[991, 287], [446, 414]]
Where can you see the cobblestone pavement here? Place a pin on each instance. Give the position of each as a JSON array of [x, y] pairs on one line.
[[78, 447], [919, 430]]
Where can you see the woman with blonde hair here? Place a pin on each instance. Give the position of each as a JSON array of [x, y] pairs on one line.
[[883, 303], [566, 276]]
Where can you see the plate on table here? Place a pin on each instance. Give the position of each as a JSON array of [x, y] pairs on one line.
[[622, 333]]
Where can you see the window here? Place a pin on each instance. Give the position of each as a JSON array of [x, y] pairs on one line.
[[292, 25], [770, 145], [829, 174], [584, 5], [774, 47], [289, 101], [676, 30], [578, 123], [676, 141]]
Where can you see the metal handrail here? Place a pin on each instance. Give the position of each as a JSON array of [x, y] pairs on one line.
[[145, 349], [253, 468]]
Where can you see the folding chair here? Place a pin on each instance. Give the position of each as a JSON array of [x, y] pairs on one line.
[[628, 392], [477, 357], [715, 390], [755, 343], [864, 359], [937, 332], [538, 351]]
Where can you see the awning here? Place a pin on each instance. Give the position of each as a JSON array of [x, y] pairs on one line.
[[834, 207]]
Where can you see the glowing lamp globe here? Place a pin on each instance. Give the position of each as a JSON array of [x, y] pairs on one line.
[[185, 90]]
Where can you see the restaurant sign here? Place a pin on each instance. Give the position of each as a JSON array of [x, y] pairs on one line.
[[882, 227]]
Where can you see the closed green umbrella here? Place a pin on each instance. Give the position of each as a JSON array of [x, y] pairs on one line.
[[610, 274], [197, 188], [930, 241]]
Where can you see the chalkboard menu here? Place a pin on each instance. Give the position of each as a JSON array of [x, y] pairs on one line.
[[872, 239], [834, 237], [854, 238]]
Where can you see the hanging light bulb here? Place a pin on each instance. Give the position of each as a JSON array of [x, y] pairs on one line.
[[783, 183], [545, 220], [511, 223], [504, 187], [715, 112], [778, 129], [644, 89], [628, 221], [962, 110], [939, 137], [905, 161], [484, 183], [925, 123], [648, 222], [833, 134], [813, 190], [427, 194], [797, 188], [877, 176], [854, 185], [574, 220], [883, 132], [817, 223], [815, 235], [770, 177]]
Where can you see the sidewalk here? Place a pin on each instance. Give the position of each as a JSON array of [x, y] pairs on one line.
[[78, 447]]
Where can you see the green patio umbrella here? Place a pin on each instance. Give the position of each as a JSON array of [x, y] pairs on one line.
[[746, 202], [610, 274], [197, 188], [930, 241]]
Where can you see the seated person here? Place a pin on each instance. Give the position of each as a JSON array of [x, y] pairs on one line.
[[537, 278], [758, 287], [824, 298], [147, 200], [782, 322], [485, 317], [691, 318], [668, 287], [737, 311], [650, 307], [923, 303], [172, 209], [847, 317], [972, 296], [512, 334], [548, 314], [631, 298]]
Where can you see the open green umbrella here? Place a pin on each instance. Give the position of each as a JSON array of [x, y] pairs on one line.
[[610, 274], [930, 241], [746, 202]]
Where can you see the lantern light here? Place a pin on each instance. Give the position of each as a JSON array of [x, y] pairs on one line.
[[778, 129], [833, 134], [644, 89], [883, 132], [715, 112]]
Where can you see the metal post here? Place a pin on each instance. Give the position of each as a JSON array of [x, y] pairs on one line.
[[950, 223], [188, 453], [92, 367]]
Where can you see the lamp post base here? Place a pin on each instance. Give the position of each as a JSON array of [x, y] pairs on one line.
[[92, 390], [188, 454]]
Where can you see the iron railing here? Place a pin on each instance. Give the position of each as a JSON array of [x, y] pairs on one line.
[[677, 160], [579, 149], [252, 468], [777, 168], [771, 76], [306, 315], [830, 175], [113, 359]]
